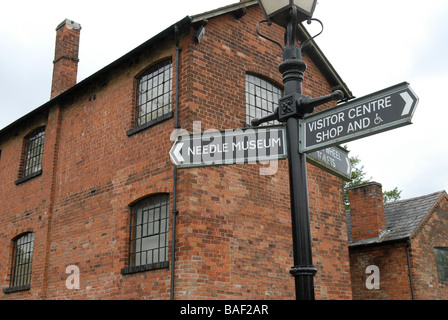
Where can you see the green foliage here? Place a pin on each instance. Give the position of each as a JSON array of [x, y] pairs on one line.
[[359, 177], [392, 195]]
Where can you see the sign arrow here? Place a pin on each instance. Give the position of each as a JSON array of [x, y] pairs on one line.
[[409, 101], [175, 155], [334, 160], [381, 111]]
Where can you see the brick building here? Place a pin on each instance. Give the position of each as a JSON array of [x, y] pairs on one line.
[[93, 208], [403, 244]]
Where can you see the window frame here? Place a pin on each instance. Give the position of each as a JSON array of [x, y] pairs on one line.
[[263, 103], [32, 155], [157, 207], [158, 91], [442, 266], [21, 281]]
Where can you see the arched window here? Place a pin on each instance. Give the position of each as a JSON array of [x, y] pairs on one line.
[[154, 91], [261, 98], [148, 235], [22, 260], [33, 151]]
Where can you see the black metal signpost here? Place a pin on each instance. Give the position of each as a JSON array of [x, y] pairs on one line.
[[386, 112], [291, 107], [308, 137]]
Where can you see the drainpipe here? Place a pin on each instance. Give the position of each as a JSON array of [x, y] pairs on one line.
[[408, 256], [176, 127]]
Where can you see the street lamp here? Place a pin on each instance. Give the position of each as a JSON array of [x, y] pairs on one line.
[[279, 10], [292, 107]]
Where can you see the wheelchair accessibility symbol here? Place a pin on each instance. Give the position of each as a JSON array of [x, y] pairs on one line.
[[378, 119]]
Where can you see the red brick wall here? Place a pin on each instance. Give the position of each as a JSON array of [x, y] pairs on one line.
[[367, 211], [226, 59], [431, 234], [392, 262], [26, 207], [233, 237], [393, 272], [329, 235]]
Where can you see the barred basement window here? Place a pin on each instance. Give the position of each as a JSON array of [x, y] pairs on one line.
[[154, 94], [33, 151], [442, 263], [148, 245], [21, 264], [261, 98]]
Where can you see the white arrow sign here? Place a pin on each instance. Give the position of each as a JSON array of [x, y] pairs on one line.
[[409, 101], [175, 155]]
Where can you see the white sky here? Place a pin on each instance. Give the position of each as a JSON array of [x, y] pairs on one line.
[[371, 44]]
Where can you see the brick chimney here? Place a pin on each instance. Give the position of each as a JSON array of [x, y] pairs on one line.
[[65, 64], [367, 211]]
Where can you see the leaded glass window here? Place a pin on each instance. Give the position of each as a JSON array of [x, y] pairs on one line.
[[149, 231], [261, 98], [33, 153], [154, 94], [22, 261]]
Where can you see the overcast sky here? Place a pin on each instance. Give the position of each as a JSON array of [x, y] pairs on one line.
[[371, 44]]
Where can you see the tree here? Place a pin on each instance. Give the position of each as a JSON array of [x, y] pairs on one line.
[[359, 177], [392, 195]]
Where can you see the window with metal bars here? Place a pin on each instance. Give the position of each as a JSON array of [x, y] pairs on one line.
[[154, 94], [22, 260], [32, 155], [261, 98], [441, 255], [148, 235]]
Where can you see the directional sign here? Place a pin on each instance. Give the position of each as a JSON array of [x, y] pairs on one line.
[[380, 111], [229, 147], [334, 160]]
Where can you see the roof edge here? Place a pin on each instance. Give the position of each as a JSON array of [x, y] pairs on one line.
[[418, 197], [373, 242], [312, 49], [188, 20], [429, 214], [103, 71], [222, 11], [382, 239]]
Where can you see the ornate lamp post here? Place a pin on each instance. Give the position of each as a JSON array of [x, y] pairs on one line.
[[280, 11], [293, 106]]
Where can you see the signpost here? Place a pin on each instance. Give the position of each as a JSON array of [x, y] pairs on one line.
[[314, 137], [377, 112], [381, 111], [229, 147], [334, 160]]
